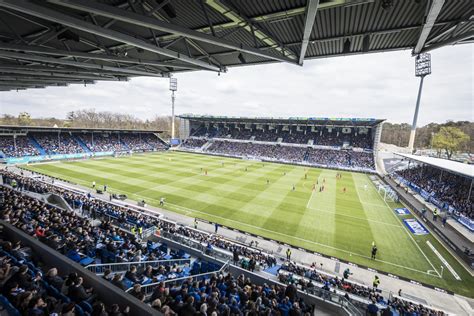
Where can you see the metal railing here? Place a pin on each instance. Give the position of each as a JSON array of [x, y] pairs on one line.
[[149, 288], [215, 253], [125, 266]]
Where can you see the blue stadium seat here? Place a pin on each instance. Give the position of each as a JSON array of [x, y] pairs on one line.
[[85, 306], [11, 310], [64, 298], [127, 282], [79, 311]]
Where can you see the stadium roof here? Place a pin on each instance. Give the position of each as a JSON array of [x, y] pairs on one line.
[[460, 168], [60, 42], [4, 128], [369, 122]]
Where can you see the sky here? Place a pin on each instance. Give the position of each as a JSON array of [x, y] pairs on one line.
[[381, 85]]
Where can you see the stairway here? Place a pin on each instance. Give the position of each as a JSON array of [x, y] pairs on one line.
[[81, 143], [35, 144], [306, 155]]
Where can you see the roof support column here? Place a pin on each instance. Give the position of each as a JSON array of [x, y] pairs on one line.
[[311, 10]]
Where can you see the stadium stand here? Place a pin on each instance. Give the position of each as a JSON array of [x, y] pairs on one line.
[[34, 142], [334, 143], [17, 147], [450, 190], [79, 239], [31, 288], [57, 143]]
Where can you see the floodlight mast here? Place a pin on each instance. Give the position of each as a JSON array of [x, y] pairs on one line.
[[422, 69], [173, 88]]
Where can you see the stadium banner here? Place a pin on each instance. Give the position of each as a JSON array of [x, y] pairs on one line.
[[469, 223], [436, 202], [402, 211], [424, 194], [28, 159], [415, 226]]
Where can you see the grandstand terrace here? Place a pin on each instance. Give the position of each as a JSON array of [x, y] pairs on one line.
[[334, 143], [23, 143]]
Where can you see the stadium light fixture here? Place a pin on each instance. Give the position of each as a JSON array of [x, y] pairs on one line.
[[173, 88], [423, 65], [422, 69]]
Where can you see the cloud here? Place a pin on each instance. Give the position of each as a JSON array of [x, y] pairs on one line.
[[375, 85]]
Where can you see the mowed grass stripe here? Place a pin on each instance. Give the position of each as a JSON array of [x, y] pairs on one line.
[[346, 227]]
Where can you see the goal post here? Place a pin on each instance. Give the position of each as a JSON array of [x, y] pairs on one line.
[[388, 194]]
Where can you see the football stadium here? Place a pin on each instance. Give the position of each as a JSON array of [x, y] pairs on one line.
[[228, 215]]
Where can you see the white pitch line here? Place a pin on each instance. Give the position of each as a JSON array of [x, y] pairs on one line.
[[355, 217], [312, 193], [441, 258]]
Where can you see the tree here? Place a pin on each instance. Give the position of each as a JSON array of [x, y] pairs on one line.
[[450, 139], [24, 119]]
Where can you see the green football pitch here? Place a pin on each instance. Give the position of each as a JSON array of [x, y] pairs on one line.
[[235, 193]]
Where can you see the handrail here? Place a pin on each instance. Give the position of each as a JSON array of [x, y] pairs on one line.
[[149, 288], [125, 266]]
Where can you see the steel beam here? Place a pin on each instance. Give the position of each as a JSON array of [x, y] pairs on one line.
[[152, 23], [51, 74], [54, 16], [449, 41], [312, 9], [49, 60], [29, 79], [62, 70], [430, 20], [246, 24], [271, 17], [110, 58]]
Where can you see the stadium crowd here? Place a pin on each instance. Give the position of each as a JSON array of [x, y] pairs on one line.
[[67, 143], [315, 156], [193, 143], [23, 146], [101, 143], [324, 137], [54, 143], [134, 142], [277, 152], [448, 188], [28, 287]]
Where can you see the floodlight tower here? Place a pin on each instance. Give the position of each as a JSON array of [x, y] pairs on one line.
[[422, 69], [173, 88]]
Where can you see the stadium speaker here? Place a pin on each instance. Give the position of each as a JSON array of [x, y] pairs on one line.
[[366, 43], [241, 58], [347, 47], [99, 191]]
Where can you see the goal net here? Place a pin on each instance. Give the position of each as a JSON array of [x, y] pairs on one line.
[[388, 194]]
